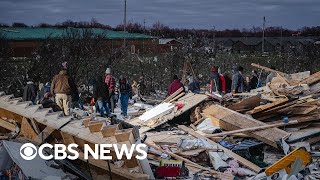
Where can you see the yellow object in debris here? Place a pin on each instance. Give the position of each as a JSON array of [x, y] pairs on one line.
[[285, 162]]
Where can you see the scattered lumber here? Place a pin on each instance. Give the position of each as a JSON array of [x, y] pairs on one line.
[[173, 95], [242, 160], [231, 120], [247, 103], [252, 129], [311, 79]]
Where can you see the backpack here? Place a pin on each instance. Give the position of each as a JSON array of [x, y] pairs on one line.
[[123, 85]]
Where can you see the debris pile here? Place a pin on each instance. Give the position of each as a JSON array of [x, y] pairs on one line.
[[271, 132]]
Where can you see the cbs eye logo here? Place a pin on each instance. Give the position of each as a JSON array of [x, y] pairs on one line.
[[28, 151]]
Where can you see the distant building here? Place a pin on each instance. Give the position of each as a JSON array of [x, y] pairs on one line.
[[24, 41]]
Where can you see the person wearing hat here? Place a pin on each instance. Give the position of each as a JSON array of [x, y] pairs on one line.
[[110, 83]]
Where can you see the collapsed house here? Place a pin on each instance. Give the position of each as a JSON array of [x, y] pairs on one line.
[[271, 132]]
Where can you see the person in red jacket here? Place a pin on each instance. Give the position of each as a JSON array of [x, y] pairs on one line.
[[175, 85], [223, 82]]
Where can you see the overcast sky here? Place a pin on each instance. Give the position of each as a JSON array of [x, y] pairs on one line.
[[174, 13]]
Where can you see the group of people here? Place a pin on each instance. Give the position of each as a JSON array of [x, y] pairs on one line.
[[62, 94], [222, 83]]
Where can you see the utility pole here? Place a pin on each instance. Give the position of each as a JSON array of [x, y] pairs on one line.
[[263, 28], [125, 22], [144, 26]]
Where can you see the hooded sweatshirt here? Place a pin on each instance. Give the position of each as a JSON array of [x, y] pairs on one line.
[[237, 81]]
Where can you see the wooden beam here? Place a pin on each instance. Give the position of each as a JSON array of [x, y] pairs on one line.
[[5, 124], [313, 78], [247, 103], [27, 130], [231, 120], [268, 69], [177, 97], [268, 106], [173, 95], [251, 129], [235, 156]]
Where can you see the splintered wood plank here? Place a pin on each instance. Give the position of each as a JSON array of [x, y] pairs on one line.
[[231, 120], [247, 103], [27, 130], [303, 134], [268, 106], [311, 79], [173, 95], [7, 125]]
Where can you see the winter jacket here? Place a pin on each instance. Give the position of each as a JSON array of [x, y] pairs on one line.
[[29, 92], [237, 83], [110, 82], [101, 91], [215, 80], [270, 77], [194, 87], [253, 82], [125, 87], [223, 83], [174, 86], [62, 84]]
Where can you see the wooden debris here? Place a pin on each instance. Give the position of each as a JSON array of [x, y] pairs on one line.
[[242, 160], [231, 120]]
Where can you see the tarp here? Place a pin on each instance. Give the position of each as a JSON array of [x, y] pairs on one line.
[[35, 168]]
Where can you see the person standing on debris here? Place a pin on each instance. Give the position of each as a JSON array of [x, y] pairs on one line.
[[175, 85], [30, 92], [110, 82], [254, 80], [125, 94], [271, 75], [222, 82], [141, 85], [61, 88], [238, 85], [47, 87], [215, 80], [228, 81], [101, 96]]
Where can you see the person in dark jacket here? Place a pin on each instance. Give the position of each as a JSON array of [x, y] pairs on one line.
[[228, 82], [175, 85], [194, 86], [125, 94], [215, 80], [254, 80], [30, 92], [238, 84], [101, 96]]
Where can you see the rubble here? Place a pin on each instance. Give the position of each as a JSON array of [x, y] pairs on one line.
[[271, 132]]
